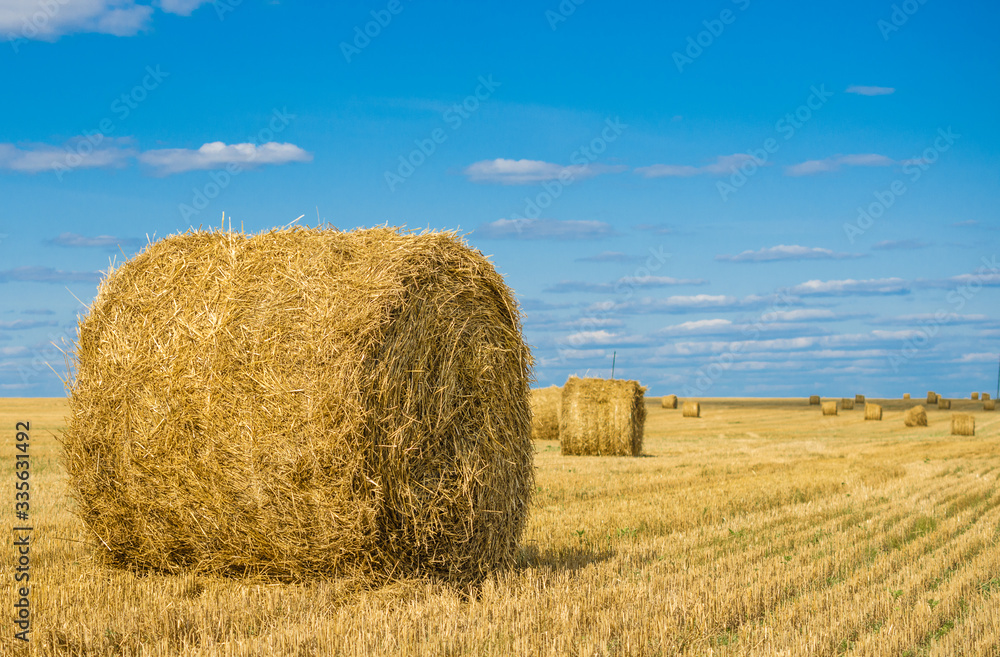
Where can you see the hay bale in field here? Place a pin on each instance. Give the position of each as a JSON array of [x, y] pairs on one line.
[[814, 400], [545, 404], [847, 404], [932, 397], [944, 404], [915, 417], [873, 412], [990, 405], [304, 403], [602, 417], [859, 399], [906, 395], [670, 401], [963, 424], [985, 396], [975, 396], [829, 408], [691, 409]]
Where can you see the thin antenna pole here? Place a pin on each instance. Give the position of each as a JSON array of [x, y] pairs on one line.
[[615, 355], [998, 380]]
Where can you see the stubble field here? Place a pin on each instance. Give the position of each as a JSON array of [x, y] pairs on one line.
[[761, 528]]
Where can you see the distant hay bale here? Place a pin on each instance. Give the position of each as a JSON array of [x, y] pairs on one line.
[[873, 412], [859, 399], [814, 400], [602, 417], [915, 417], [847, 404], [670, 401], [990, 405], [304, 403], [545, 404], [975, 396], [829, 408], [932, 397], [691, 409], [944, 404], [985, 396], [906, 395], [963, 424]]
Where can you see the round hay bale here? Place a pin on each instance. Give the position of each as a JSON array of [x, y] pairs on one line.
[[975, 396], [963, 424], [859, 399], [814, 400], [691, 409], [545, 403], [915, 417], [932, 397], [944, 404], [990, 405], [670, 401], [829, 408], [986, 396], [304, 403], [906, 395], [602, 417], [873, 412], [847, 404]]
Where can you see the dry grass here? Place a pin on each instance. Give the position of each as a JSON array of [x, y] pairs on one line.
[[963, 424], [545, 403], [669, 401], [602, 417], [814, 400], [847, 404], [756, 531], [873, 411], [829, 408], [301, 403], [915, 417]]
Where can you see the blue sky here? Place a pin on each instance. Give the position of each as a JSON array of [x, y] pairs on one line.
[[731, 198]]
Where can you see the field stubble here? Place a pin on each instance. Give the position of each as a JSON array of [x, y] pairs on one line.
[[761, 528]]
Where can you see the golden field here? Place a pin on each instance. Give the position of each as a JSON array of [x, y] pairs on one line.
[[760, 528]]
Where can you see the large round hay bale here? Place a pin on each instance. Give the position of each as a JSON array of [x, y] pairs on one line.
[[829, 408], [989, 405], [814, 400], [963, 424], [691, 409], [932, 397], [873, 412], [975, 396], [602, 417], [859, 399], [545, 404], [304, 403], [670, 401], [943, 403], [915, 417], [847, 404]]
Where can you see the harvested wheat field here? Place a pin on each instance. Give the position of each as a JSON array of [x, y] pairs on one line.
[[763, 529]]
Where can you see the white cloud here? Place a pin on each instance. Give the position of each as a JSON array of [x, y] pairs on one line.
[[834, 163], [851, 286], [870, 91], [787, 252], [105, 241], [723, 166], [47, 21], [217, 154], [701, 326], [980, 357], [543, 229], [181, 7], [526, 172], [36, 158]]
